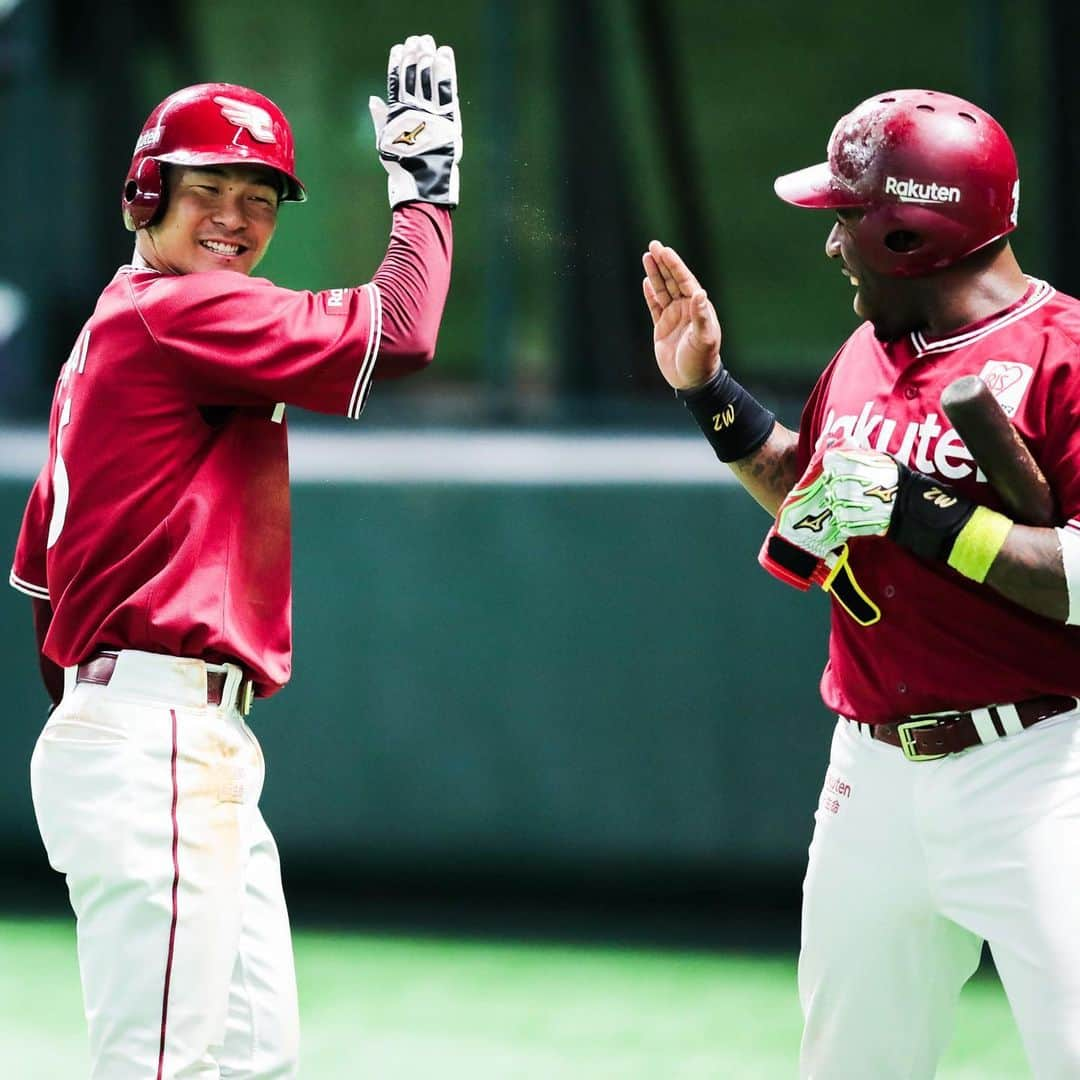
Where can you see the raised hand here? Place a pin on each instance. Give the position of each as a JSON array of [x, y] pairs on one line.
[[686, 331], [418, 126]]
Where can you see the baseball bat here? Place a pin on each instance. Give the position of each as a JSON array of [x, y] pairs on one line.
[[998, 450]]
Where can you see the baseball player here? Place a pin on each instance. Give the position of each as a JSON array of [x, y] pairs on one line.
[[155, 546], [950, 812]]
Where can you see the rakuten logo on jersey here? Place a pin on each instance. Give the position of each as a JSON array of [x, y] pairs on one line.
[[913, 191], [922, 444], [335, 301]]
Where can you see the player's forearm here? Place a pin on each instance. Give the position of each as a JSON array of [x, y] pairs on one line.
[[849, 492], [413, 280], [1029, 571], [745, 435], [771, 471]]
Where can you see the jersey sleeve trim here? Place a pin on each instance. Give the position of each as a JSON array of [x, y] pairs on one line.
[[363, 380], [39, 592]]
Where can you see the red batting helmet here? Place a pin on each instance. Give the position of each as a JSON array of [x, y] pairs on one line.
[[917, 162], [208, 124]]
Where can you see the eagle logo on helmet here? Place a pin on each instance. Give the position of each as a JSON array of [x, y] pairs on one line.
[[245, 115]]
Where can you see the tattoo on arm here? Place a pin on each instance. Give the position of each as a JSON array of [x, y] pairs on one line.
[[770, 472]]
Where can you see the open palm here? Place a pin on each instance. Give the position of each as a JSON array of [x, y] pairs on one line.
[[686, 332]]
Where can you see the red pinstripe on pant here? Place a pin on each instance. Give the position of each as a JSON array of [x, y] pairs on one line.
[[175, 889]]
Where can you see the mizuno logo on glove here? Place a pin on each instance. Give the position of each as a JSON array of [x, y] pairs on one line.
[[846, 492], [815, 523], [408, 138]]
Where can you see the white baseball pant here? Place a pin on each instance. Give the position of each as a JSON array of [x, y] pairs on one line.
[[147, 800], [912, 866]]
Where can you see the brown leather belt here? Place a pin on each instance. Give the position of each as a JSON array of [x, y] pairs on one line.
[[926, 738], [99, 670]]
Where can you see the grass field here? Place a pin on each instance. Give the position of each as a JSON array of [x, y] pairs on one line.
[[418, 1008]]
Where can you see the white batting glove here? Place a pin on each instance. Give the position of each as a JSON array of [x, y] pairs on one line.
[[418, 126], [846, 492], [862, 487], [805, 518]]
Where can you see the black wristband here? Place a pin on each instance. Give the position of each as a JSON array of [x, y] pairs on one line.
[[927, 516], [735, 423]]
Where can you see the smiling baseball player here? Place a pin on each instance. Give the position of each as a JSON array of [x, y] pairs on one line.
[[950, 812], [155, 546]]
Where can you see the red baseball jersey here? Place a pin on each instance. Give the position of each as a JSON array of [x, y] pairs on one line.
[[160, 521], [943, 641]]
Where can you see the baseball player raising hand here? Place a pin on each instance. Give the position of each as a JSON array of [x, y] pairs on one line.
[[155, 546], [950, 812]]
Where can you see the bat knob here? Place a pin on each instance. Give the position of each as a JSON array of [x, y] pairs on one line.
[[962, 391]]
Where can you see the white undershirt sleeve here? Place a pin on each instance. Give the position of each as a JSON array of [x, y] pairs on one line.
[[1070, 559]]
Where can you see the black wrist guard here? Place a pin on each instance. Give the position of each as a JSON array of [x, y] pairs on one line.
[[927, 516], [735, 423]]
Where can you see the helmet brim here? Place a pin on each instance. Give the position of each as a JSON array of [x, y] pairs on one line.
[[294, 190], [816, 188]]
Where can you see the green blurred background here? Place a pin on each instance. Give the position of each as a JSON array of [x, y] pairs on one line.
[[590, 127], [542, 688]]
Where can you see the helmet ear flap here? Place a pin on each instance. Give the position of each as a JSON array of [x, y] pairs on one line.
[[142, 196], [893, 239], [903, 241]]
